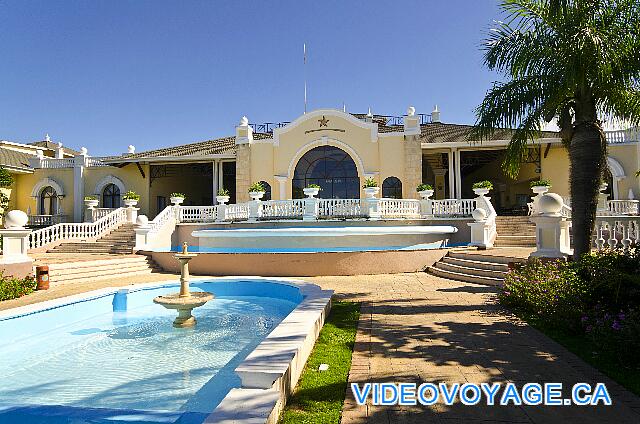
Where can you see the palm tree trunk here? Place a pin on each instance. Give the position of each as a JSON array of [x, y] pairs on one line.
[[587, 155]]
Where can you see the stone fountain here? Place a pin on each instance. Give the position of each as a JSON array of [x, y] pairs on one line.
[[185, 301]]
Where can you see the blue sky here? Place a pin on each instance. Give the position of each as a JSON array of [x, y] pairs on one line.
[[106, 74]]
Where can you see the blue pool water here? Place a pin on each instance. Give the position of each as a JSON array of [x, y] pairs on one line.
[[86, 363]]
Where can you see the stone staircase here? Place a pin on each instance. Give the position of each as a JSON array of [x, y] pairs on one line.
[[515, 231], [119, 241], [96, 267], [473, 267]]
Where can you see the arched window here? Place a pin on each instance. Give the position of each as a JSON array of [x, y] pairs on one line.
[[392, 187], [267, 190], [332, 169], [48, 201], [111, 196]]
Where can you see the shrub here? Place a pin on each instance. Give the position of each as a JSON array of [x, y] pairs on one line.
[[423, 187], [12, 288], [314, 186], [256, 187], [370, 183], [223, 192], [92, 197], [6, 179], [483, 184], [540, 183], [178, 195], [615, 334], [131, 195]]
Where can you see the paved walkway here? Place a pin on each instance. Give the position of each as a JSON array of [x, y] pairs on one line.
[[421, 328]]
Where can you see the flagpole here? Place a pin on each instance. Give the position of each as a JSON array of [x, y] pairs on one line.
[[304, 63]]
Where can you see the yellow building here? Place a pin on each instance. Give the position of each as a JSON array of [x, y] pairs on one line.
[[336, 150]]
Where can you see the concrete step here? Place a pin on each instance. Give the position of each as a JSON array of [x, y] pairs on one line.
[[465, 277], [458, 254], [473, 267], [71, 272], [515, 240], [478, 264], [482, 272]]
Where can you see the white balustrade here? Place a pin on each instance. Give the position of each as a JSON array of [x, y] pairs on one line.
[[99, 213], [92, 162], [453, 207], [164, 217], [53, 163], [622, 136], [617, 232], [82, 231], [197, 213], [46, 220], [399, 208], [282, 209], [339, 208], [237, 212], [622, 207]]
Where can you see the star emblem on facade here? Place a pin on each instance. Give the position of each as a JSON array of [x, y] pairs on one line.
[[323, 122]]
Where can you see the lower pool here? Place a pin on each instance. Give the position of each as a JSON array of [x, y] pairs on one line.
[[117, 358]]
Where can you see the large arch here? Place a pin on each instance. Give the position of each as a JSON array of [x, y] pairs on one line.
[[325, 141], [329, 167], [105, 181], [44, 183]]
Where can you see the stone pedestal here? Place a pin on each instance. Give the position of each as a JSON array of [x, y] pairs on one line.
[[142, 230], [480, 230], [552, 229], [310, 209], [132, 214], [15, 245]]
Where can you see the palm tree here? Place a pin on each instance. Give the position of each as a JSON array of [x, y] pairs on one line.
[[576, 61]]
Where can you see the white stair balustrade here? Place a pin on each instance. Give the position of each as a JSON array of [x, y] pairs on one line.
[[617, 232], [198, 213], [46, 220], [453, 207], [399, 208], [99, 213], [80, 231]]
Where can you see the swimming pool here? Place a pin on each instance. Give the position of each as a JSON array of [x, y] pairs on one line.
[[117, 358]]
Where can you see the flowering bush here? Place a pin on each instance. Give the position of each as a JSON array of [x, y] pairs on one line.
[[617, 334], [483, 184], [12, 288]]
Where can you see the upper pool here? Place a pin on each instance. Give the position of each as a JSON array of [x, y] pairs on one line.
[[117, 358]]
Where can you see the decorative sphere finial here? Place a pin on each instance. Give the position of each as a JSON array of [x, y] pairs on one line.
[[244, 121], [411, 111], [15, 219], [83, 151], [131, 149]]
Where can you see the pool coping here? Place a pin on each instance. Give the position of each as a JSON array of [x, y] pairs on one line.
[[269, 373]]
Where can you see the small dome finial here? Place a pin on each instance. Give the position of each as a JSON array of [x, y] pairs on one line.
[[244, 121], [46, 137], [369, 114], [131, 149], [411, 111], [83, 151]]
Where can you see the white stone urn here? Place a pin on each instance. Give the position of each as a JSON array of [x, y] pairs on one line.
[[15, 220], [479, 215], [540, 190], [256, 195], [91, 203], [175, 201], [130, 203], [481, 191], [222, 199], [311, 192], [550, 204], [371, 192], [425, 194]]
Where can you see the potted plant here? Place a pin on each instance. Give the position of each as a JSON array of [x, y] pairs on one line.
[[311, 190], [482, 188], [425, 190], [91, 201], [540, 187], [223, 196], [177, 198], [370, 188], [256, 191], [131, 198]]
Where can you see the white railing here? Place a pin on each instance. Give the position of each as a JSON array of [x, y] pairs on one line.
[[279, 209], [168, 214], [198, 213], [237, 212], [617, 232], [53, 163], [46, 220], [339, 208], [399, 208], [91, 162], [622, 207], [622, 136], [453, 207], [99, 213], [82, 231]]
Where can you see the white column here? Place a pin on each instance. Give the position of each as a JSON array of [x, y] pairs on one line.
[[458, 176], [78, 187], [214, 181], [451, 192], [282, 186]]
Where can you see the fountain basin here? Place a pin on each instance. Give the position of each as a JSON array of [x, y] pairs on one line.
[[184, 305]]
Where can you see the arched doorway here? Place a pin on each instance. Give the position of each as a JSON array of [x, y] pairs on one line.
[[392, 188], [48, 201], [332, 169], [111, 196], [267, 190]]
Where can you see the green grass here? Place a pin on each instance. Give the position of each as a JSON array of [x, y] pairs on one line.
[[319, 396], [627, 376]]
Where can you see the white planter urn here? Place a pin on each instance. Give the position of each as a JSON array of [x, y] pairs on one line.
[[425, 194], [371, 192], [311, 192], [256, 195], [130, 203], [175, 201], [481, 191], [91, 203], [222, 199], [540, 190]]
